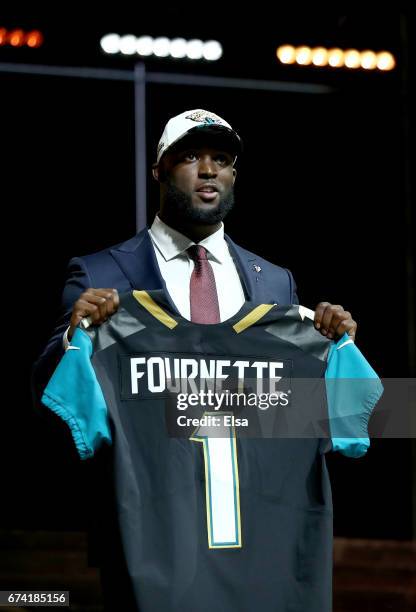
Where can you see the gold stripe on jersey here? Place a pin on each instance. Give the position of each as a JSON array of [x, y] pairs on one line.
[[252, 317], [151, 306]]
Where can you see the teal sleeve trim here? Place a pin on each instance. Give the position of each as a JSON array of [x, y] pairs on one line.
[[56, 406], [75, 395], [353, 389]]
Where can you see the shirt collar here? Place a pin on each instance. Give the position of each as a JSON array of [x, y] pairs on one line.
[[172, 243]]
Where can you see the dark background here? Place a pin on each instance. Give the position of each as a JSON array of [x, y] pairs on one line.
[[323, 188]]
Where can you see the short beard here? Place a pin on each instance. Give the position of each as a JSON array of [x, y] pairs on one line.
[[178, 207]]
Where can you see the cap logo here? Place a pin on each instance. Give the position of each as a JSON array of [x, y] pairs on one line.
[[160, 146], [205, 117]]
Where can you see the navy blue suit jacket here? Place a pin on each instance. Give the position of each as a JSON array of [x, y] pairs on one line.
[[133, 265]]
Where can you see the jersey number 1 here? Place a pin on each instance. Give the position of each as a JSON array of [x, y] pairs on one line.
[[222, 493]]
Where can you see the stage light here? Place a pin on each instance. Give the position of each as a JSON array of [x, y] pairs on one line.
[[194, 49], [34, 39], [336, 57], [110, 43], [161, 46], [385, 61], [319, 56], [212, 50], [144, 45], [352, 58], [128, 44], [178, 48], [17, 38], [286, 54], [303, 56], [368, 60]]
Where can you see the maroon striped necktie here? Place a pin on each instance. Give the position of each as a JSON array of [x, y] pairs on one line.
[[203, 291]]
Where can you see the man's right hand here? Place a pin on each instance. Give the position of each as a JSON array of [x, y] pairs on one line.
[[98, 304]]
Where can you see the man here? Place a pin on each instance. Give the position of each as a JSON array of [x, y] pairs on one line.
[[205, 275], [195, 168]]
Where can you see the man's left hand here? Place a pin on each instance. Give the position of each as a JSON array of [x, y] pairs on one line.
[[333, 321]]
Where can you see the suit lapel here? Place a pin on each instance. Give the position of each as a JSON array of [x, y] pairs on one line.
[[137, 259], [246, 268]]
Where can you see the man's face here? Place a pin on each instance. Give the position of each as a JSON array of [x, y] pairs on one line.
[[197, 182]]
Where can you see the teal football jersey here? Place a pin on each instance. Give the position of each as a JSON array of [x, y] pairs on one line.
[[216, 438]]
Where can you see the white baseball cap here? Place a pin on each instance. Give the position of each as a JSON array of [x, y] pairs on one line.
[[192, 121]]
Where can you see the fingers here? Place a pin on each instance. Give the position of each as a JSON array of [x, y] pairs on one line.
[[98, 304], [116, 300], [346, 325], [333, 321], [319, 313]]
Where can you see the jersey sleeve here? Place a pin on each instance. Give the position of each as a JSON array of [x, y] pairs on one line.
[[353, 389], [74, 394]]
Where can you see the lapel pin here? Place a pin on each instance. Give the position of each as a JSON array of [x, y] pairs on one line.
[[257, 268]]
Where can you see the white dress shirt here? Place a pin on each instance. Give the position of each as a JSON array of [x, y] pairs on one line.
[[176, 268]]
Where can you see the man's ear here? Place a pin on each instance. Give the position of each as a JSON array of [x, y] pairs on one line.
[[158, 172], [155, 171], [234, 175]]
